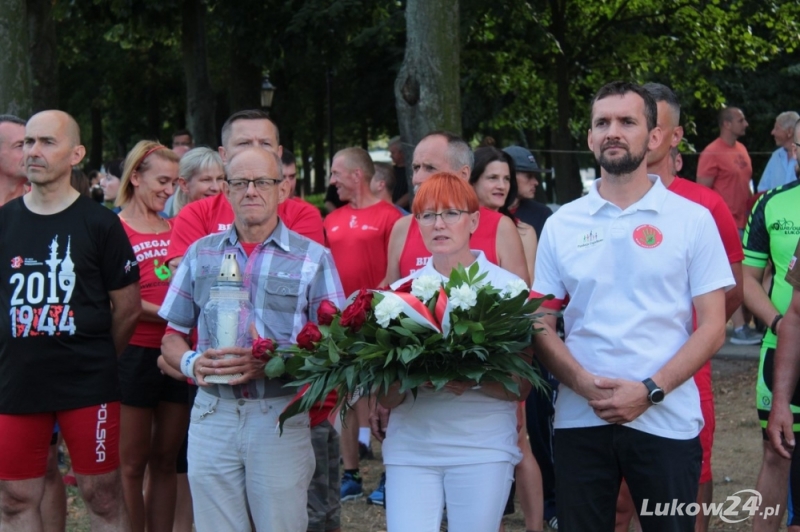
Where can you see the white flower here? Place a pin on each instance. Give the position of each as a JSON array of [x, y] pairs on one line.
[[513, 288], [387, 310], [425, 287], [463, 297]]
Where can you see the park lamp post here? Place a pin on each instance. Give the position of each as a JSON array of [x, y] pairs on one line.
[[267, 93]]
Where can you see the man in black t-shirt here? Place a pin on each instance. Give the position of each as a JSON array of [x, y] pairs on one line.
[[69, 300]]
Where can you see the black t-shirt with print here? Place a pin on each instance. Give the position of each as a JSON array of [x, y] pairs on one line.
[[56, 350]]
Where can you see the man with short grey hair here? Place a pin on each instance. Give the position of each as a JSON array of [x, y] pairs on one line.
[[237, 458], [781, 165]]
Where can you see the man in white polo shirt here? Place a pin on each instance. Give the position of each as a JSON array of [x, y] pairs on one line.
[[633, 259]]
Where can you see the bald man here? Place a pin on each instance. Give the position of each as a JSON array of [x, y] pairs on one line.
[[12, 171], [237, 458], [69, 301], [496, 235]]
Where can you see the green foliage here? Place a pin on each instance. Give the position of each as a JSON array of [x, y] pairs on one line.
[[484, 344]]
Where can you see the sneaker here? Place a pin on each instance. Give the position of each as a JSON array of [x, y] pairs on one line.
[[365, 452], [351, 488], [378, 497], [745, 336], [551, 525]]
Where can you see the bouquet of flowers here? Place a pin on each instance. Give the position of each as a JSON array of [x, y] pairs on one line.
[[425, 332]]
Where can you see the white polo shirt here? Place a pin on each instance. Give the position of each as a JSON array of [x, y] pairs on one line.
[[631, 275]]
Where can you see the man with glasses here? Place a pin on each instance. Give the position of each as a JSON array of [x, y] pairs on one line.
[[244, 129], [237, 458]]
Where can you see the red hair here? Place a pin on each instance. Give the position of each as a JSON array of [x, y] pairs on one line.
[[445, 190]]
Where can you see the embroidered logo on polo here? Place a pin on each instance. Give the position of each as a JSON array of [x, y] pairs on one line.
[[593, 237], [648, 236]]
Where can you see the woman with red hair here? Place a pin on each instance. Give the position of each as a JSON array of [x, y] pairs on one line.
[[457, 446]]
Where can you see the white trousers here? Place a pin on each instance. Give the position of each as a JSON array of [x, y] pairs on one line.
[[239, 460], [475, 495]]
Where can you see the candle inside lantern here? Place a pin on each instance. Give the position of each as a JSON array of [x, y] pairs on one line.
[[228, 313]]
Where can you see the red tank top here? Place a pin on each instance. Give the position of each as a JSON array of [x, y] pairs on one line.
[[415, 255], [154, 277]]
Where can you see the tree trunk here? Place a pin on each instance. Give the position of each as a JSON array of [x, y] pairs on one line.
[[199, 96], [567, 179], [567, 175], [427, 90], [319, 142], [43, 55], [96, 150], [15, 93], [245, 81]]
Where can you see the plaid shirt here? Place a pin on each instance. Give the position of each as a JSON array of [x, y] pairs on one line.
[[288, 277]]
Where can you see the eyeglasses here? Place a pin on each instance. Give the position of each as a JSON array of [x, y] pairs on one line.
[[262, 184], [449, 217], [797, 144]]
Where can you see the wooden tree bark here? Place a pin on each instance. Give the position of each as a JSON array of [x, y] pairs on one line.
[[199, 95], [15, 93], [567, 179], [427, 90], [43, 55], [245, 80]]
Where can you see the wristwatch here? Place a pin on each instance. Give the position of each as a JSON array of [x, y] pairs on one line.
[[655, 394]]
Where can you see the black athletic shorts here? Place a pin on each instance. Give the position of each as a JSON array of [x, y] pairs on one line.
[[142, 383]]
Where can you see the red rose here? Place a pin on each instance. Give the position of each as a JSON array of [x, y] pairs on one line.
[[355, 315], [326, 312], [308, 335], [263, 347]]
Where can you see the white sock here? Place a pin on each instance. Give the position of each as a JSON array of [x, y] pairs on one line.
[[363, 435]]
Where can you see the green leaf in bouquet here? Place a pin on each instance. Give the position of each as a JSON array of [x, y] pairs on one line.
[[293, 364], [461, 328], [350, 376], [503, 378], [439, 381], [401, 331], [409, 353], [412, 381], [432, 339], [414, 327], [472, 373], [333, 352], [384, 338]]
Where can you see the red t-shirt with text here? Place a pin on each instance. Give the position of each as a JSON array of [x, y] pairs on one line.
[[359, 242], [212, 215], [154, 276]]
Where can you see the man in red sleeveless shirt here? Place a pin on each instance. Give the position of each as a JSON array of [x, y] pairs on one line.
[[358, 237], [496, 235], [244, 129]]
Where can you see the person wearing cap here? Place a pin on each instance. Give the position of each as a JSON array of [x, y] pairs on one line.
[[526, 208]]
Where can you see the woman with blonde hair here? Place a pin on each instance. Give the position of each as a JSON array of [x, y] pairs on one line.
[[155, 409], [201, 176]]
